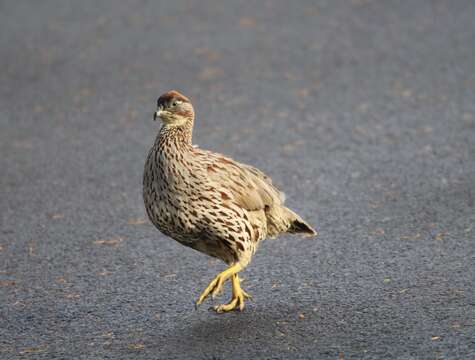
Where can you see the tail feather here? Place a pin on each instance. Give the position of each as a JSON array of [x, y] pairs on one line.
[[299, 226], [281, 219]]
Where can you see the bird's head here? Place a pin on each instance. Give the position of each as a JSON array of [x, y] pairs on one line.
[[174, 109]]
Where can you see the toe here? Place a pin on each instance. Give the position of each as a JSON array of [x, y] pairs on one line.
[[226, 307], [218, 288], [247, 296], [207, 291], [241, 304]]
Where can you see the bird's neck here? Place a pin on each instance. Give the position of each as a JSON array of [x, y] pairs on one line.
[[177, 136]]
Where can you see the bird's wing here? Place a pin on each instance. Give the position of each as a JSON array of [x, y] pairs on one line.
[[249, 187]]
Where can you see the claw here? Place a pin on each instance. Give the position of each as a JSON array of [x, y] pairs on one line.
[[216, 285], [238, 299]]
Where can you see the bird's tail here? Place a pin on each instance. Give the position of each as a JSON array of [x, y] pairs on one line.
[[299, 226], [281, 219]]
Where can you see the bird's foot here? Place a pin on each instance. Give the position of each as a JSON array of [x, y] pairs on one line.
[[236, 303], [216, 286], [238, 299]]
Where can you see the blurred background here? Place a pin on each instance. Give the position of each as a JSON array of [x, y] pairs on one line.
[[362, 111]]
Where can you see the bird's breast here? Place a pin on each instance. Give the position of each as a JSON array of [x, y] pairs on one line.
[[169, 190]]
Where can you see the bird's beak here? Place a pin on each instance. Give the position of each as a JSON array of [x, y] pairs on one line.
[[157, 114]]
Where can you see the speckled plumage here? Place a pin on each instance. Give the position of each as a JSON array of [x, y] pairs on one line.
[[205, 200]]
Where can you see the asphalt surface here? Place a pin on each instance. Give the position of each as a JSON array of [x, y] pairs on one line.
[[362, 111]]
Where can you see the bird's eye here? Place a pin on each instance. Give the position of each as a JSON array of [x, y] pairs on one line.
[[174, 103]]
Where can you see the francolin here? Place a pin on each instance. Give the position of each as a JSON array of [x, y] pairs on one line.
[[210, 202]]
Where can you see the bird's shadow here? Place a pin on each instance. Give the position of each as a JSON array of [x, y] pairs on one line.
[[279, 327], [257, 325]]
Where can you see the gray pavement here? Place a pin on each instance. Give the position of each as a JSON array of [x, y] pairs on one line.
[[362, 111]]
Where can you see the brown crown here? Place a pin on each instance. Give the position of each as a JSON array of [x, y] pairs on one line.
[[168, 96]]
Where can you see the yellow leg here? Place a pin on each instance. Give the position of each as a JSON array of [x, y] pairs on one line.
[[238, 299], [216, 285]]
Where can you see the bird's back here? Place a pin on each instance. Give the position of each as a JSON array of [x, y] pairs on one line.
[[253, 191]]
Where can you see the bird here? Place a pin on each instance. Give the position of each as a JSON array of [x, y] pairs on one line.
[[210, 202]]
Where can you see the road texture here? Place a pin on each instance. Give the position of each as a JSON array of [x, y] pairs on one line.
[[362, 111]]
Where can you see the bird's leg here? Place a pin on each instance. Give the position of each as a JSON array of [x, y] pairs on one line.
[[216, 285], [237, 301]]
